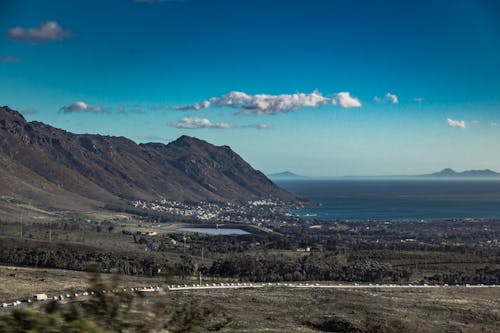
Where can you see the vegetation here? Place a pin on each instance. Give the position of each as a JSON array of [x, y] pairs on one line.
[[113, 309], [29, 320], [453, 252], [375, 252]]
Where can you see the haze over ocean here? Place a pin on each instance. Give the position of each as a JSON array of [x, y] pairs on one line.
[[397, 199]]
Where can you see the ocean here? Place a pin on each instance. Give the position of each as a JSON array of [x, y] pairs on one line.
[[397, 199]]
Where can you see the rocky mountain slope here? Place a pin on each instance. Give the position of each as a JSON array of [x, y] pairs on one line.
[[60, 168]]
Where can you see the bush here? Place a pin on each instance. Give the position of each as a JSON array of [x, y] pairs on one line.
[[29, 320]]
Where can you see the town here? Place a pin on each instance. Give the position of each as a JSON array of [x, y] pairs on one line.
[[252, 211]]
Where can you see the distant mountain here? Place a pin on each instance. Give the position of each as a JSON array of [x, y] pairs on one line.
[[467, 173], [67, 170], [286, 175]]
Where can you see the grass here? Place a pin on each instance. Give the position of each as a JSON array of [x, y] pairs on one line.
[[301, 310], [19, 282], [381, 310]]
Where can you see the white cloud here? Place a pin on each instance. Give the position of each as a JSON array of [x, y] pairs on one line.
[[81, 107], [391, 98], [195, 106], [44, 32], [273, 104], [196, 123], [346, 100], [457, 123], [494, 124], [10, 59], [418, 99]]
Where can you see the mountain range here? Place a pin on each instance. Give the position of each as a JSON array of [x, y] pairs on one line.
[[465, 174], [66, 170]]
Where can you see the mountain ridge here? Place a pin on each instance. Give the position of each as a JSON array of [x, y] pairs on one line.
[[40, 160], [448, 172]]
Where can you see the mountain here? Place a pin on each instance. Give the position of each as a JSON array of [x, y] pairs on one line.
[[467, 173], [286, 175], [67, 170]]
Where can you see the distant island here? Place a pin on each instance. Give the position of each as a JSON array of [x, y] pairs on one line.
[[465, 174], [286, 175]]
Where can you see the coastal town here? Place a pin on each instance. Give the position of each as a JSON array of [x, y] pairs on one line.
[[251, 211]]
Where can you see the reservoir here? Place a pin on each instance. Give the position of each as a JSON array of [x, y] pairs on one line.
[[215, 231]]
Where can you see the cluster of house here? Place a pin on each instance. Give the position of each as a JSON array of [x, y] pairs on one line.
[[253, 211]]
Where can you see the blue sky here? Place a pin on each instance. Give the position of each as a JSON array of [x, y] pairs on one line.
[[327, 88]]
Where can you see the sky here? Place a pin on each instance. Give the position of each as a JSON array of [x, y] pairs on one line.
[[321, 88]]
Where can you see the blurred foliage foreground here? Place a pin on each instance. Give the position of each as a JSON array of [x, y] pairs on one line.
[[112, 309]]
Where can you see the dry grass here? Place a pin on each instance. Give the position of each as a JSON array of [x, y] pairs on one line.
[[19, 282], [383, 310], [302, 310]]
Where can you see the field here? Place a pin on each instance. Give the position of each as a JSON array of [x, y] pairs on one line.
[[20, 282], [381, 310], [453, 309]]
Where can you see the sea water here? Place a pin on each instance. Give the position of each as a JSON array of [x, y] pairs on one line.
[[397, 199]]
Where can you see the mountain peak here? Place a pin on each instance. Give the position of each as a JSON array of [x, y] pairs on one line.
[[447, 171], [186, 140], [285, 175], [8, 114]]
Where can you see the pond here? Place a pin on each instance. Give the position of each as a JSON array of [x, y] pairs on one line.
[[215, 231]]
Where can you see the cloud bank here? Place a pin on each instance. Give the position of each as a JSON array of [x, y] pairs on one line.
[[44, 32], [457, 123], [273, 104], [81, 107], [197, 123]]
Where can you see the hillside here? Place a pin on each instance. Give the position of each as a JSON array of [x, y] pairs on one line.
[[66, 170]]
